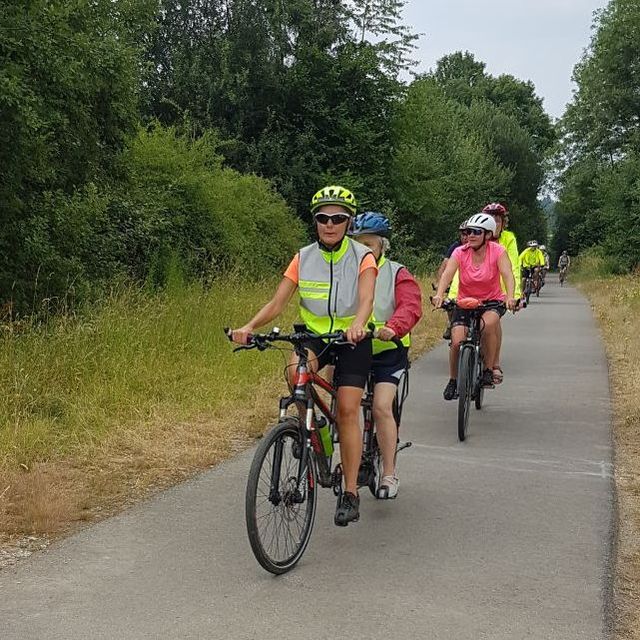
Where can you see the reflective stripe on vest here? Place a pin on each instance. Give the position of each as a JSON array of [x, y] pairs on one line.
[[328, 285], [385, 302]]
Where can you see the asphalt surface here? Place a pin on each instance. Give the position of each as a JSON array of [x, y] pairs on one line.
[[507, 535]]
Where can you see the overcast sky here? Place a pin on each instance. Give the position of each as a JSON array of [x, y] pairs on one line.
[[538, 40]]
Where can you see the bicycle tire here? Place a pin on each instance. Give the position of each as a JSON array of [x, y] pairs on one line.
[[465, 386], [374, 480], [287, 436], [478, 395]]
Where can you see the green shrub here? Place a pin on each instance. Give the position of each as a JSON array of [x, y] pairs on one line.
[[174, 212]]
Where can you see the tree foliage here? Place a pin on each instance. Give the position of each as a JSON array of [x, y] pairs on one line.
[[143, 136], [463, 138], [599, 155]]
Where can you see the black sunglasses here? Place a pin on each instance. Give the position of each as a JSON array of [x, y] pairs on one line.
[[475, 232], [337, 218]]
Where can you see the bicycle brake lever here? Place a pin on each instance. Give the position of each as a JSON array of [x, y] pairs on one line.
[[244, 347]]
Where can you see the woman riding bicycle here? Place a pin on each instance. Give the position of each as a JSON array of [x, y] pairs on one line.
[[508, 240], [397, 309], [531, 260], [480, 264], [335, 278]]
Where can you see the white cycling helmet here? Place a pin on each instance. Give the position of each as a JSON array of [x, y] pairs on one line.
[[542, 247], [533, 244], [463, 225], [482, 221]]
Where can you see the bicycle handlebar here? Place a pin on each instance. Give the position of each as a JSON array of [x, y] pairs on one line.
[[261, 341]]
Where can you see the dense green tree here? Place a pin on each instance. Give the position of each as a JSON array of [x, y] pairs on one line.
[[442, 172], [599, 154], [68, 102], [509, 119]]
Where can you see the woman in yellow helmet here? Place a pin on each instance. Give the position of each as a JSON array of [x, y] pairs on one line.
[[335, 278]]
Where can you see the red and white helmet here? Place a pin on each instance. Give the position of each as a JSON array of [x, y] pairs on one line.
[[496, 209], [482, 221]]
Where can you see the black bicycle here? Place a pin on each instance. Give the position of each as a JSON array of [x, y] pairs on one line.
[[531, 283], [471, 361], [296, 456]]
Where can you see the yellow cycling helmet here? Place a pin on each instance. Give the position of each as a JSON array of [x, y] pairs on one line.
[[334, 195]]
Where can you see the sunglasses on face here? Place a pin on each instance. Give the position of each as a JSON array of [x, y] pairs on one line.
[[337, 218], [475, 232]]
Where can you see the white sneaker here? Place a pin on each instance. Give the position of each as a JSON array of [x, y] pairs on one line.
[[388, 488]]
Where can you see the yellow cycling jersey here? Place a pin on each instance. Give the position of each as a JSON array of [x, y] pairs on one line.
[[532, 258]]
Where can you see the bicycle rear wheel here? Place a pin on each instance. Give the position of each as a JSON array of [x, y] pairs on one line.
[[279, 511], [466, 362]]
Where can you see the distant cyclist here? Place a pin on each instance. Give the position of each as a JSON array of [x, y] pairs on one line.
[[564, 262], [563, 266], [396, 311], [482, 265], [545, 268], [531, 260]]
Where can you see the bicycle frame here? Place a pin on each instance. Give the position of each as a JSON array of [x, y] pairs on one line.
[[305, 393]]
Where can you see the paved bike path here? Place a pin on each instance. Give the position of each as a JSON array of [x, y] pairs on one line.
[[505, 536]]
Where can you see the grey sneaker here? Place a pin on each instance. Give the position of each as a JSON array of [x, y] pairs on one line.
[[388, 488]]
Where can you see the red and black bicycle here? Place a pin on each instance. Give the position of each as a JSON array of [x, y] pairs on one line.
[[296, 456]]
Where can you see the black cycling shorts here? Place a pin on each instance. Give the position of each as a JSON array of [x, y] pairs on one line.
[[463, 317], [352, 363], [389, 365]]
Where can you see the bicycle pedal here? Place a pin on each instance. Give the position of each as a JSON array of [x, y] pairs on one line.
[[404, 445]]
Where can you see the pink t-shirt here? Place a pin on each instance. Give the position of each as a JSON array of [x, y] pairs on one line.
[[480, 281]]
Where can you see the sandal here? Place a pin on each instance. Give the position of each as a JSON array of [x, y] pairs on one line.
[[498, 375]]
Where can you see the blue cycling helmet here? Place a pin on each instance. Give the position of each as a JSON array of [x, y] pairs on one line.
[[371, 222]]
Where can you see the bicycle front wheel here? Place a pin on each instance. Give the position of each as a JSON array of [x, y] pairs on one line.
[[279, 510], [465, 388], [478, 394]]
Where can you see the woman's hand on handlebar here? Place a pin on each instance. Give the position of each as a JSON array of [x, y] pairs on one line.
[[513, 304], [355, 333], [436, 301], [242, 335], [385, 334]]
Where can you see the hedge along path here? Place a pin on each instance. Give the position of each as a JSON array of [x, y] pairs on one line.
[[136, 396], [616, 305]]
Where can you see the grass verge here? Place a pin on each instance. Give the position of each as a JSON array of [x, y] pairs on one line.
[[616, 305], [130, 398]]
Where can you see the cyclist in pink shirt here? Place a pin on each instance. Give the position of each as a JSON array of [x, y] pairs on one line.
[[481, 265]]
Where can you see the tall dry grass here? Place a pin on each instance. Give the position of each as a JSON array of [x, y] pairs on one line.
[[137, 394], [616, 304]]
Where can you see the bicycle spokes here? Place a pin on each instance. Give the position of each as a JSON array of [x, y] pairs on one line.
[[283, 503]]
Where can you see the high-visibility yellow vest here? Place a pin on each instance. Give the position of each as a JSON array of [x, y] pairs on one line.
[[328, 285], [385, 302]]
